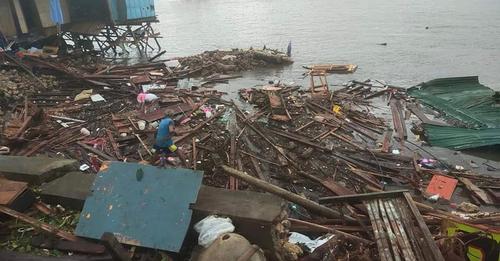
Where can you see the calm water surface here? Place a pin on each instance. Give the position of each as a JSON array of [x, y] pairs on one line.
[[463, 36]]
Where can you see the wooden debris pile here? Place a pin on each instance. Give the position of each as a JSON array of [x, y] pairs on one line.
[[329, 154]]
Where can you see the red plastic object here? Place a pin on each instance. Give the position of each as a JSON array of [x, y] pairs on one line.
[[442, 185]]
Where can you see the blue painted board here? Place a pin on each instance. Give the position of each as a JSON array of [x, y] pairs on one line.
[[127, 10], [56, 12], [141, 204], [138, 9]]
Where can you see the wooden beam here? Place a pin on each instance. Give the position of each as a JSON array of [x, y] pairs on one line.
[[476, 191], [306, 203], [114, 247], [359, 198], [328, 230], [38, 224]]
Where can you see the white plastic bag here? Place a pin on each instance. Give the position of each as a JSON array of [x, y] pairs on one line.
[[312, 244], [211, 227]]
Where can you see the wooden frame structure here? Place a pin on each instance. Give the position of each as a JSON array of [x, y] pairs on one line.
[[398, 228]]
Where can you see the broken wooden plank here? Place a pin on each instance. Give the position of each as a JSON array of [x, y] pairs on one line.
[[300, 139], [259, 158], [64, 245], [398, 120], [476, 191], [114, 145], [329, 230], [114, 247], [415, 109], [96, 151], [358, 198], [304, 126], [198, 127], [429, 240], [258, 170], [16, 256]]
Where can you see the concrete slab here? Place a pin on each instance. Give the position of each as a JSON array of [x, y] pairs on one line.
[[70, 190], [253, 214], [34, 170]]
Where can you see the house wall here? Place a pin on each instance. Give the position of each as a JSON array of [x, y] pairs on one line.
[[7, 24], [20, 16], [138, 9], [43, 7]]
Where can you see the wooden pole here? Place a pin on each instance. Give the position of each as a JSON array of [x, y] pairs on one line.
[[304, 202]]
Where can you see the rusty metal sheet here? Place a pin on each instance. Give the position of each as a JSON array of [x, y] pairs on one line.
[[141, 204]]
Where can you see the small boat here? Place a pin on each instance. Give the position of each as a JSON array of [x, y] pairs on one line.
[[333, 68]]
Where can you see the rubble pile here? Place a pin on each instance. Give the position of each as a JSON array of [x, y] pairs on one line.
[[294, 173], [15, 85], [236, 60]]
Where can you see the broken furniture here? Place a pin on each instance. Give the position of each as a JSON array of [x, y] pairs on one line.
[[34, 170], [318, 89], [142, 205], [70, 190]]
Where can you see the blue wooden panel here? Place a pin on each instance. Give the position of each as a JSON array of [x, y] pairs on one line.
[[142, 205], [138, 9]]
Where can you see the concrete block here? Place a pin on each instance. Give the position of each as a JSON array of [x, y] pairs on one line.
[[70, 190], [253, 214], [34, 170]]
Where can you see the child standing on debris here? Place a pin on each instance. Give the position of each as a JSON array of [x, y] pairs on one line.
[[164, 143], [143, 98]]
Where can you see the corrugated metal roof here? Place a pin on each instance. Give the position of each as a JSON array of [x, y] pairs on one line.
[[466, 101]]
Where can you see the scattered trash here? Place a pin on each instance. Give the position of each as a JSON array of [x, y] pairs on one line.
[[85, 131], [85, 94], [297, 238], [468, 207], [84, 167], [97, 98]]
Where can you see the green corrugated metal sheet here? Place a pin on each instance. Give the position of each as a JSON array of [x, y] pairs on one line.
[[467, 102], [461, 98], [461, 138]]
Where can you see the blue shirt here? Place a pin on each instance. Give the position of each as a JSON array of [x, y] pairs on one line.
[[163, 138]]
